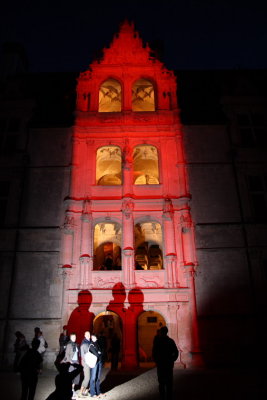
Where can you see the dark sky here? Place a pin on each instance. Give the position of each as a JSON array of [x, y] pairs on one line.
[[207, 34]]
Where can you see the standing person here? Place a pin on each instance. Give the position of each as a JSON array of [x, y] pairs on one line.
[[29, 368], [95, 373], [86, 370], [72, 357], [64, 380], [165, 352], [38, 338], [20, 348], [63, 340]]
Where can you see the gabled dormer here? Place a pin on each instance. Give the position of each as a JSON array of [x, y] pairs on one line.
[[126, 78]]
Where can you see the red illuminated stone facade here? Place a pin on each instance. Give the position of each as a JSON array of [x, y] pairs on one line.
[[129, 201]]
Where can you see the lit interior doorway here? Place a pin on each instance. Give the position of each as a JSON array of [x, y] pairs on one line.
[[109, 325], [148, 324]]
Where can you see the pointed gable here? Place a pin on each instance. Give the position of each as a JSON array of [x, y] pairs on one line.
[[127, 48], [135, 76]]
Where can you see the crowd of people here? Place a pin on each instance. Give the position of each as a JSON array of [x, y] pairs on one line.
[[78, 376], [80, 366]]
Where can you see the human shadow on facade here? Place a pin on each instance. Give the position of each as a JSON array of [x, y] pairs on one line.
[[81, 319], [127, 356]]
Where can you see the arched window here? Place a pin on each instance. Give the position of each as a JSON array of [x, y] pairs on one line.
[[148, 246], [143, 97], [110, 96], [107, 246], [108, 166], [145, 165]]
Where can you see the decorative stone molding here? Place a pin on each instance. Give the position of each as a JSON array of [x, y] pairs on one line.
[[151, 282], [167, 209], [105, 282], [127, 208], [68, 225]]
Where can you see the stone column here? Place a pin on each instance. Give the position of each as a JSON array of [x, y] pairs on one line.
[[188, 238], [130, 351], [127, 158], [67, 240], [195, 348], [65, 273], [171, 278], [86, 247], [128, 243]]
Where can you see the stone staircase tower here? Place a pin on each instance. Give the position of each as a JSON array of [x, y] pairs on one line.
[[128, 249]]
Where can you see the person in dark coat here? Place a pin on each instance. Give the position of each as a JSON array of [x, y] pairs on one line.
[[72, 357], [29, 367], [86, 370], [63, 340], [95, 373], [20, 348], [165, 352], [64, 381]]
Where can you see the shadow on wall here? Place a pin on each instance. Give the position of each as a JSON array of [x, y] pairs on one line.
[[229, 329], [81, 319]]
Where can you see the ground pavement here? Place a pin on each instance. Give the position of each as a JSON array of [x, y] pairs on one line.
[[141, 384]]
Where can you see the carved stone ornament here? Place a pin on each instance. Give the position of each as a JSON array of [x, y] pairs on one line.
[[68, 223], [87, 206], [127, 208], [127, 156], [151, 282], [186, 221], [168, 209], [107, 282]]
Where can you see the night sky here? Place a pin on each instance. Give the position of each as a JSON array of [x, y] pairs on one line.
[[207, 34]]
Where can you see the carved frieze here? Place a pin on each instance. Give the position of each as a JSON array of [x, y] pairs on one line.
[[151, 281], [127, 208], [105, 282], [68, 225]]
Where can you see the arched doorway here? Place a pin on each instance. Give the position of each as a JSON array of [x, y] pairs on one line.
[[148, 324], [109, 325]]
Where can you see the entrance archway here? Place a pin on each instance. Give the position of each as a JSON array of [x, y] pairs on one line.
[[109, 325], [148, 324]]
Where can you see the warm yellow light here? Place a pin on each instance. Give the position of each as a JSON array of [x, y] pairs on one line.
[[143, 98]]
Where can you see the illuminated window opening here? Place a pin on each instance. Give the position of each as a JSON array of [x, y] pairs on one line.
[[146, 170], [110, 96], [143, 96], [108, 166], [107, 246], [148, 246]]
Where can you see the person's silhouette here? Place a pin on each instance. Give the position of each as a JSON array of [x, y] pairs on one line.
[[64, 380], [81, 319], [164, 352]]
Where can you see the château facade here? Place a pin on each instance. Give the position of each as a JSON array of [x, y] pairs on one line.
[[128, 229], [137, 212]]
